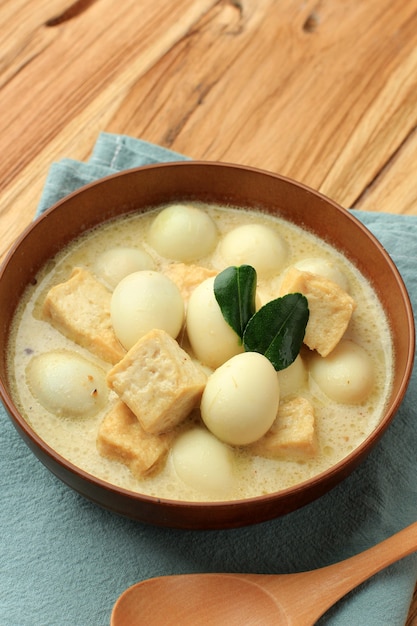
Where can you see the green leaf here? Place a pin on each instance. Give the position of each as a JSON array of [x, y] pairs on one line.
[[277, 330], [234, 290]]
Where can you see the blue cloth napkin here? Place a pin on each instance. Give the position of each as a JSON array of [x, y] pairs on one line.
[[64, 561]]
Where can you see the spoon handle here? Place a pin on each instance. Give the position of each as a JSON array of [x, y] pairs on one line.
[[331, 583]]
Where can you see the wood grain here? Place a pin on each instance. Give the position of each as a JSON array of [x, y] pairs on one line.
[[324, 91]]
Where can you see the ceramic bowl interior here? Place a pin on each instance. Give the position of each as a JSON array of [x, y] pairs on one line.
[[141, 188]]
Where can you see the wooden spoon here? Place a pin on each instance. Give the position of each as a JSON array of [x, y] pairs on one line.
[[236, 599]]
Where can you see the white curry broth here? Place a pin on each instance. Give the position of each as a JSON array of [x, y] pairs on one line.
[[340, 428]]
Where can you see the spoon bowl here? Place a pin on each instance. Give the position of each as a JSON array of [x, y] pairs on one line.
[[235, 599]]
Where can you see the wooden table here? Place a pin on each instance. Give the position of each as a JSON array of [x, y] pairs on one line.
[[323, 91]]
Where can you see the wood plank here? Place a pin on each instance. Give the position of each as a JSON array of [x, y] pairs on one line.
[[307, 121], [293, 106], [394, 189], [334, 132], [412, 615], [75, 86]]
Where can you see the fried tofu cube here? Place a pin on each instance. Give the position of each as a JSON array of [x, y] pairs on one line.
[[121, 438], [187, 277], [292, 435], [80, 309], [158, 381], [330, 308]]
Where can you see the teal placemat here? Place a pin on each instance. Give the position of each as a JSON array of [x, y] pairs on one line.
[[64, 561]]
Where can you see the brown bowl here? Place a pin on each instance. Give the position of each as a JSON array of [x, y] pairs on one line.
[[222, 183]]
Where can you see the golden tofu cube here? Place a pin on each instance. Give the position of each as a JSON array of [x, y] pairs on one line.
[[121, 438], [158, 381], [292, 435], [80, 309], [187, 277], [330, 308]]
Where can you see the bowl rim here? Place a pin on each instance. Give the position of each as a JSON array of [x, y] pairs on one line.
[[35, 441]]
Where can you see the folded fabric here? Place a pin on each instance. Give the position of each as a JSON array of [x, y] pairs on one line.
[[64, 561], [111, 154]]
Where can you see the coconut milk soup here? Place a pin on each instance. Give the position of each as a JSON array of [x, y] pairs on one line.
[[340, 426]]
